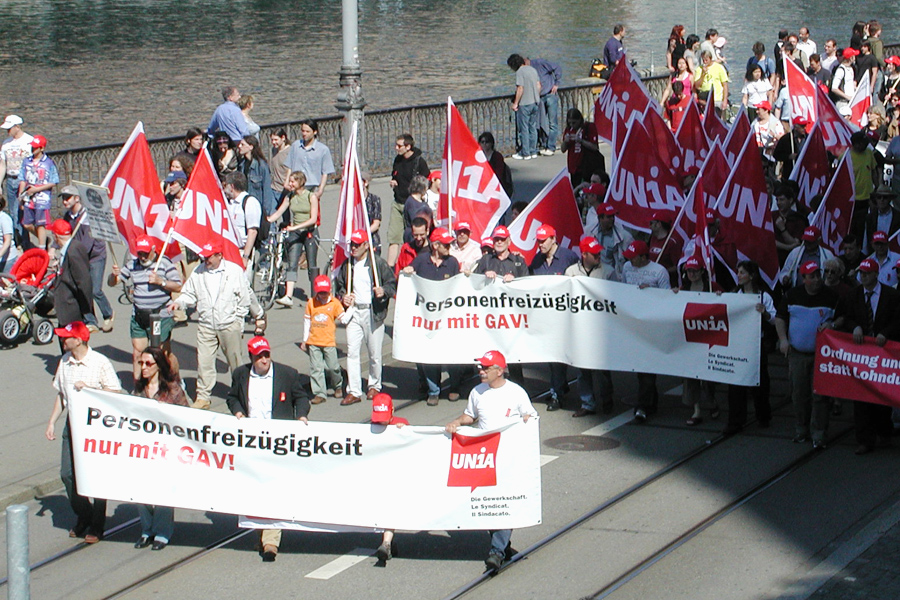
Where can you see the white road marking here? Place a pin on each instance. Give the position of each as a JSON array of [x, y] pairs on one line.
[[341, 563], [547, 458], [607, 426]]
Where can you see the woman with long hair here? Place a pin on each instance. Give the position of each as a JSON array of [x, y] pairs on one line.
[[223, 154], [692, 51], [252, 163], [582, 149], [683, 74], [158, 381], [495, 159], [675, 47], [304, 209]]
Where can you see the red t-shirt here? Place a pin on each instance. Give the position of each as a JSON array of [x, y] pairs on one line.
[[675, 110], [575, 152]]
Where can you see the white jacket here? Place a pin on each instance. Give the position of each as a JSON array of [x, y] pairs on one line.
[[222, 296]]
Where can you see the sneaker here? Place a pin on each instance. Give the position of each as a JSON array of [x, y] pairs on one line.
[[552, 405], [384, 552], [518, 156], [285, 301], [432, 401], [639, 415], [108, 323], [93, 328], [493, 561], [546, 152], [530, 156], [453, 396]]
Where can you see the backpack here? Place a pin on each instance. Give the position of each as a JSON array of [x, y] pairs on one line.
[[262, 233]]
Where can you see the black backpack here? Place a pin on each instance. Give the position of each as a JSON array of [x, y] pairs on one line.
[[262, 233]]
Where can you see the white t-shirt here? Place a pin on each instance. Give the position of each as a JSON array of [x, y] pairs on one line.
[[243, 222], [259, 394], [653, 274], [6, 228], [756, 91], [15, 151], [493, 408]]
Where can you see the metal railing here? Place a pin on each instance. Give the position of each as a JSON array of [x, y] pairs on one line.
[[427, 123]]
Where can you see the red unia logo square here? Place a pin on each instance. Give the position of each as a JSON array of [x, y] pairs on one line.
[[706, 324], [473, 461]]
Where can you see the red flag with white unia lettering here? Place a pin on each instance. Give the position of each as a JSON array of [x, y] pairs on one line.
[[555, 205], [744, 211], [836, 131], [812, 169], [352, 213], [836, 211], [737, 136], [624, 97], [692, 139], [802, 94], [713, 126], [470, 190], [708, 184], [663, 140], [861, 101], [641, 182], [136, 198], [203, 216]]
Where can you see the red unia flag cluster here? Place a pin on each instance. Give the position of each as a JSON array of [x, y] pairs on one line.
[[556, 206]]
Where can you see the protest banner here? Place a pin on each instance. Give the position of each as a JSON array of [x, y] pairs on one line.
[[95, 200], [865, 372], [835, 213], [416, 478], [802, 95], [585, 322], [836, 131], [737, 135]]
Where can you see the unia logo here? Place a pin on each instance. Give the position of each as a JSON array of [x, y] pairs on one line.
[[706, 324], [473, 461]]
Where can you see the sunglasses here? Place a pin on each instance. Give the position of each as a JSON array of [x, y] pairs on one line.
[[146, 363]]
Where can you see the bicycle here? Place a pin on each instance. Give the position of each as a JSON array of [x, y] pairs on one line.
[[270, 269]]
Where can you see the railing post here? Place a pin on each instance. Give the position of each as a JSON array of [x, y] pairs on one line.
[[17, 567]]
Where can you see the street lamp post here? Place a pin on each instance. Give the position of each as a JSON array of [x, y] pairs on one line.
[[350, 100]]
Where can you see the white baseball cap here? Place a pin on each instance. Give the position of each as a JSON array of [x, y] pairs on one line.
[[11, 121]]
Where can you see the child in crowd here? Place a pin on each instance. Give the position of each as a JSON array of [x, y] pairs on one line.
[[323, 312]]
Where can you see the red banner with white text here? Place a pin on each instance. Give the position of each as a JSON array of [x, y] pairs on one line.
[[863, 372]]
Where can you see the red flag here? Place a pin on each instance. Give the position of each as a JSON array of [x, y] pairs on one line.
[[836, 131], [624, 97], [713, 126], [836, 211], [555, 205], [641, 183], [692, 139], [737, 135], [470, 190], [136, 198], [802, 93], [203, 216], [708, 184], [861, 101], [812, 169], [663, 140], [352, 213], [745, 212]]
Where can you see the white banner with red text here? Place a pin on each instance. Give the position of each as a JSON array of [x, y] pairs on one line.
[[414, 478], [584, 322]]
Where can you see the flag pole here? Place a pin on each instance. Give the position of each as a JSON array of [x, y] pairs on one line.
[[449, 168], [163, 251]]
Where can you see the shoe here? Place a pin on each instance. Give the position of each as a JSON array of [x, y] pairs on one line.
[[432, 401], [108, 323], [338, 391], [819, 445], [518, 156], [350, 399], [694, 421], [836, 409], [371, 393], [862, 449], [583, 412], [91, 538], [158, 545], [639, 415], [143, 542], [317, 400], [201, 404], [800, 439], [453, 396], [529, 157], [285, 301], [78, 530], [384, 552], [93, 328], [493, 561], [546, 152], [714, 414], [269, 553], [552, 405]]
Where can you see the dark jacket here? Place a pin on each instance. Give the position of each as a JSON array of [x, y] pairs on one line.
[[513, 264], [73, 295], [403, 171], [887, 315], [385, 276], [872, 225], [289, 399], [96, 248]]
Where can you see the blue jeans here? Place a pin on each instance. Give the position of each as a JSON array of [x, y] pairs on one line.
[[500, 540], [98, 267], [550, 106], [594, 384], [431, 374], [157, 522], [527, 124], [12, 205]]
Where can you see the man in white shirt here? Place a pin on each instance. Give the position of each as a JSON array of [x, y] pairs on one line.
[[246, 214], [830, 59], [79, 367], [495, 403], [804, 44], [464, 250], [15, 149]]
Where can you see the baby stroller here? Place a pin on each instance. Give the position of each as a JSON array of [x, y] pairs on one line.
[[26, 299]]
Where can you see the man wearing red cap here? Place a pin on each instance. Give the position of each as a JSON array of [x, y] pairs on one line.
[[501, 262], [885, 257], [811, 250], [220, 291], [463, 249], [495, 403], [371, 286], [804, 311], [153, 288], [644, 274], [323, 311], [766, 130], [72, 297], [264, 389], [843, 84], [79, 367], [872, 310], [613, 237], [383, 414], [37, 178]]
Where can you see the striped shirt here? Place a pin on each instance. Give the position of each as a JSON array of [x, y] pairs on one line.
[[94, 370], [148, 296]]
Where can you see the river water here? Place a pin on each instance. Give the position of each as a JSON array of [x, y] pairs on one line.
[[82, 72]]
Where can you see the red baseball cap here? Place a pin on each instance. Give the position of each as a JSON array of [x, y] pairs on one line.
[[879, 237], [765, 104], [636, 248], [462, 225], [436, 174], [258, 345], [492, 358], [808, 267], [693, 263], [213, 247], [850, 53], [321, 284], [487, 243], [870, 265], [598, 189], [811, 234], [894, 60], [382, 408], [144, 243], [590, 245], [711, 215], [500, 232], [440, 234], [76, 329], [663, 216], [60, 227], [544, 232], [39, 141], [606, 209]]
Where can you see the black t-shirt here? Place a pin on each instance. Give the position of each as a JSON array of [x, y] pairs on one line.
[[425, 267], [864, 62]]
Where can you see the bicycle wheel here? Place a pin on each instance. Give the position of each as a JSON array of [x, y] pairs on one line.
[[264, 282]]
